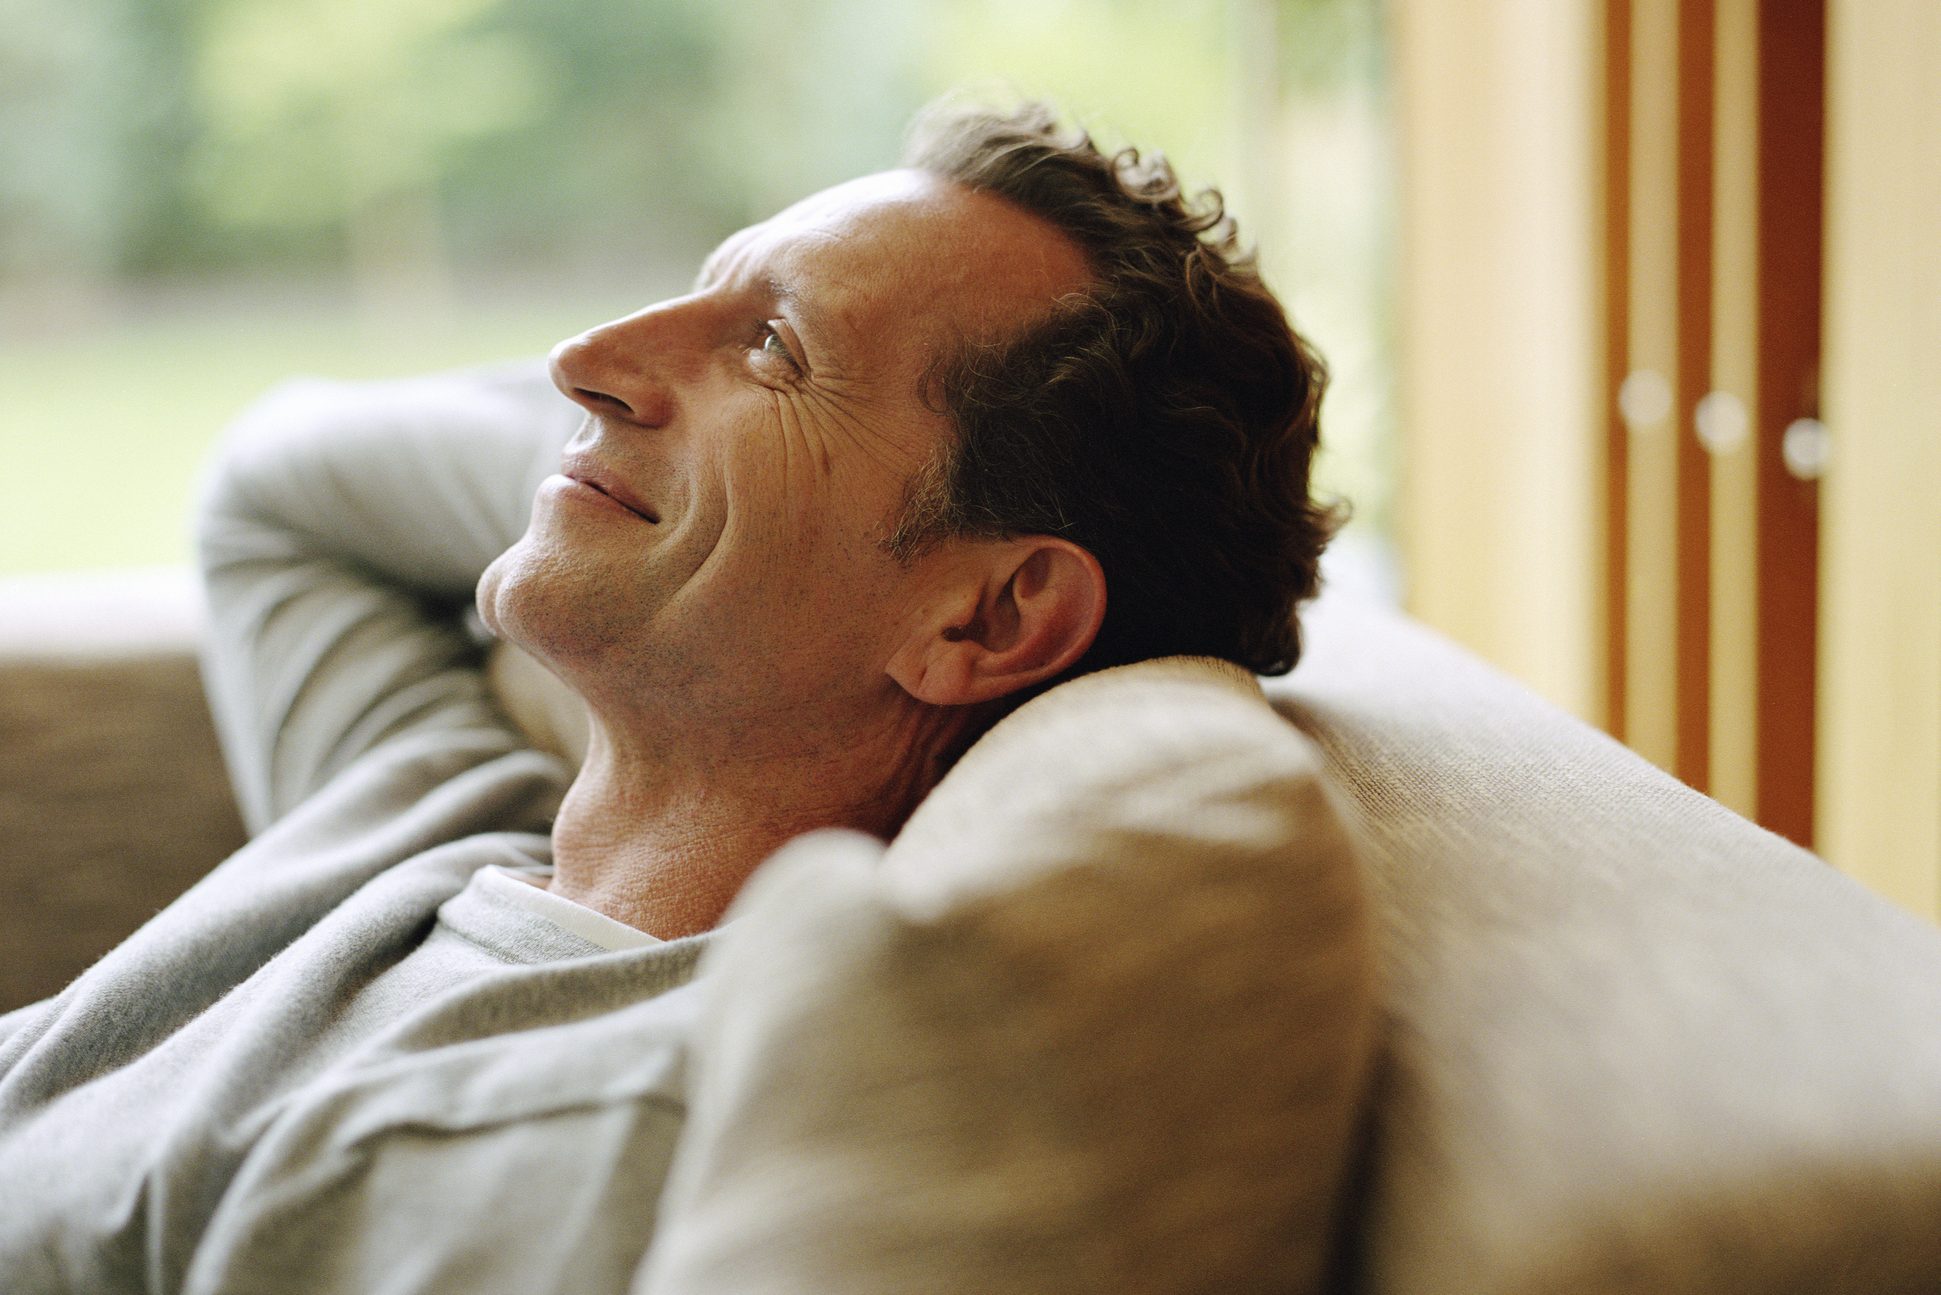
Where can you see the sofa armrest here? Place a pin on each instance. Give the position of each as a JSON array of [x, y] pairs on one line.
[[113, 796]]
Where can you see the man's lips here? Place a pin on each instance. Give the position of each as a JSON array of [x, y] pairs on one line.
[[597, 478]]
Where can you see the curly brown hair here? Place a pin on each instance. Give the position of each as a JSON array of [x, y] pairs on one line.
[[1165, 420]]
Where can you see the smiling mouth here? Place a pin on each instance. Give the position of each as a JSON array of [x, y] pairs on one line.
[[631, 505]]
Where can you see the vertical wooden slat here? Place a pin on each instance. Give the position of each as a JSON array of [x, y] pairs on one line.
[[1791, 100], [1653, 422], [1735, 239], [1694, 375], [1617, 300]]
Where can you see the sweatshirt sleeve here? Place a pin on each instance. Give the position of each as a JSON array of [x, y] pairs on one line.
[[342, 532]]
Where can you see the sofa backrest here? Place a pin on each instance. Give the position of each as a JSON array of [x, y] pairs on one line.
[[113, 798], [1634, 1042]]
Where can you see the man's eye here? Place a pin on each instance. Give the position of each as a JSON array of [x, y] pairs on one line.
[[772, 344]]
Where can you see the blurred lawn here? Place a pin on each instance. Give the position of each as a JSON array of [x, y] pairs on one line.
[[102, 433]]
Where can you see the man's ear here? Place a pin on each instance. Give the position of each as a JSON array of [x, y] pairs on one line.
[[1020, 612]]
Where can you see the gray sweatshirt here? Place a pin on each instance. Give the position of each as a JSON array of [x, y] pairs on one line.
[[365, 1053]]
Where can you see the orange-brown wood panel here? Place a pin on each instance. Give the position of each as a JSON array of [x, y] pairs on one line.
[[1617, 276], [1792, 40], [1694, 378]]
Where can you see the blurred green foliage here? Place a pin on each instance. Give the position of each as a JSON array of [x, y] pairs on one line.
[[390, 165], [139, 136]]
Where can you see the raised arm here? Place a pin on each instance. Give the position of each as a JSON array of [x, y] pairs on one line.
[[341, 534]]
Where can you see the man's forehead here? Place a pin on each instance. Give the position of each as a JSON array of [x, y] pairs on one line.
[[911, 236], [903, 192], [835, 214]]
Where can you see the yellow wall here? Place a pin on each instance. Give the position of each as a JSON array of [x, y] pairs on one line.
[[1500, 515], [1879, 758]]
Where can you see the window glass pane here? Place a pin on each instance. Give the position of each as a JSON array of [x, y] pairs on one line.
[[198, 197]]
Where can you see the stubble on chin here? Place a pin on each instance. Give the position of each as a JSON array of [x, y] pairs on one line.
[[557, 607], [508, 597], [486, 596]]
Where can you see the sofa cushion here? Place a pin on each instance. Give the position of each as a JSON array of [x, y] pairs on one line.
[[113, 797], [1097, 1020], [1633, 1043]]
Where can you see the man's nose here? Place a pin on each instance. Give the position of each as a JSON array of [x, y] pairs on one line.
[[619, 370]]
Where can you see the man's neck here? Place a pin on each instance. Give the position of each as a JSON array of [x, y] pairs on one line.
[[663, 837]]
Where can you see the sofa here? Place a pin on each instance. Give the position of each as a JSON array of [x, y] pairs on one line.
[[1622, 1040]]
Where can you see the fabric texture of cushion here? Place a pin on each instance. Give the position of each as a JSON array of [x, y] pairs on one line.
[[1633, 1043], [1098, 1020], [113, 798], [546, 710]]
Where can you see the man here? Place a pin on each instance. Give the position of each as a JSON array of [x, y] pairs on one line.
[[912, 450]]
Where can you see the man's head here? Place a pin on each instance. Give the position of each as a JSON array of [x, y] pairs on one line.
[[923, 443], [761, 433]]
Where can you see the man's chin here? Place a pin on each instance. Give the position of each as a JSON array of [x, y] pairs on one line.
[[512, 600], [487, 595], [540, 601]]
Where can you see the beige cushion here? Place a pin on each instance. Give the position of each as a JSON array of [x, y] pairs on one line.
[[550, 714], [1096, 1021], [113, 798], [1634, 1043]]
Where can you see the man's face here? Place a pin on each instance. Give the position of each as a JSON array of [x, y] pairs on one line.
[[715, 539]]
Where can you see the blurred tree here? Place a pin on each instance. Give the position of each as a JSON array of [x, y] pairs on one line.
[[1327, 47], [1153, 71], [817, 92], [341, 113], [210, 163], [619, 166], [70, 107]]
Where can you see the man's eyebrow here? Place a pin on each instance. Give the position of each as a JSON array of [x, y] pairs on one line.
[[803, 306]]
